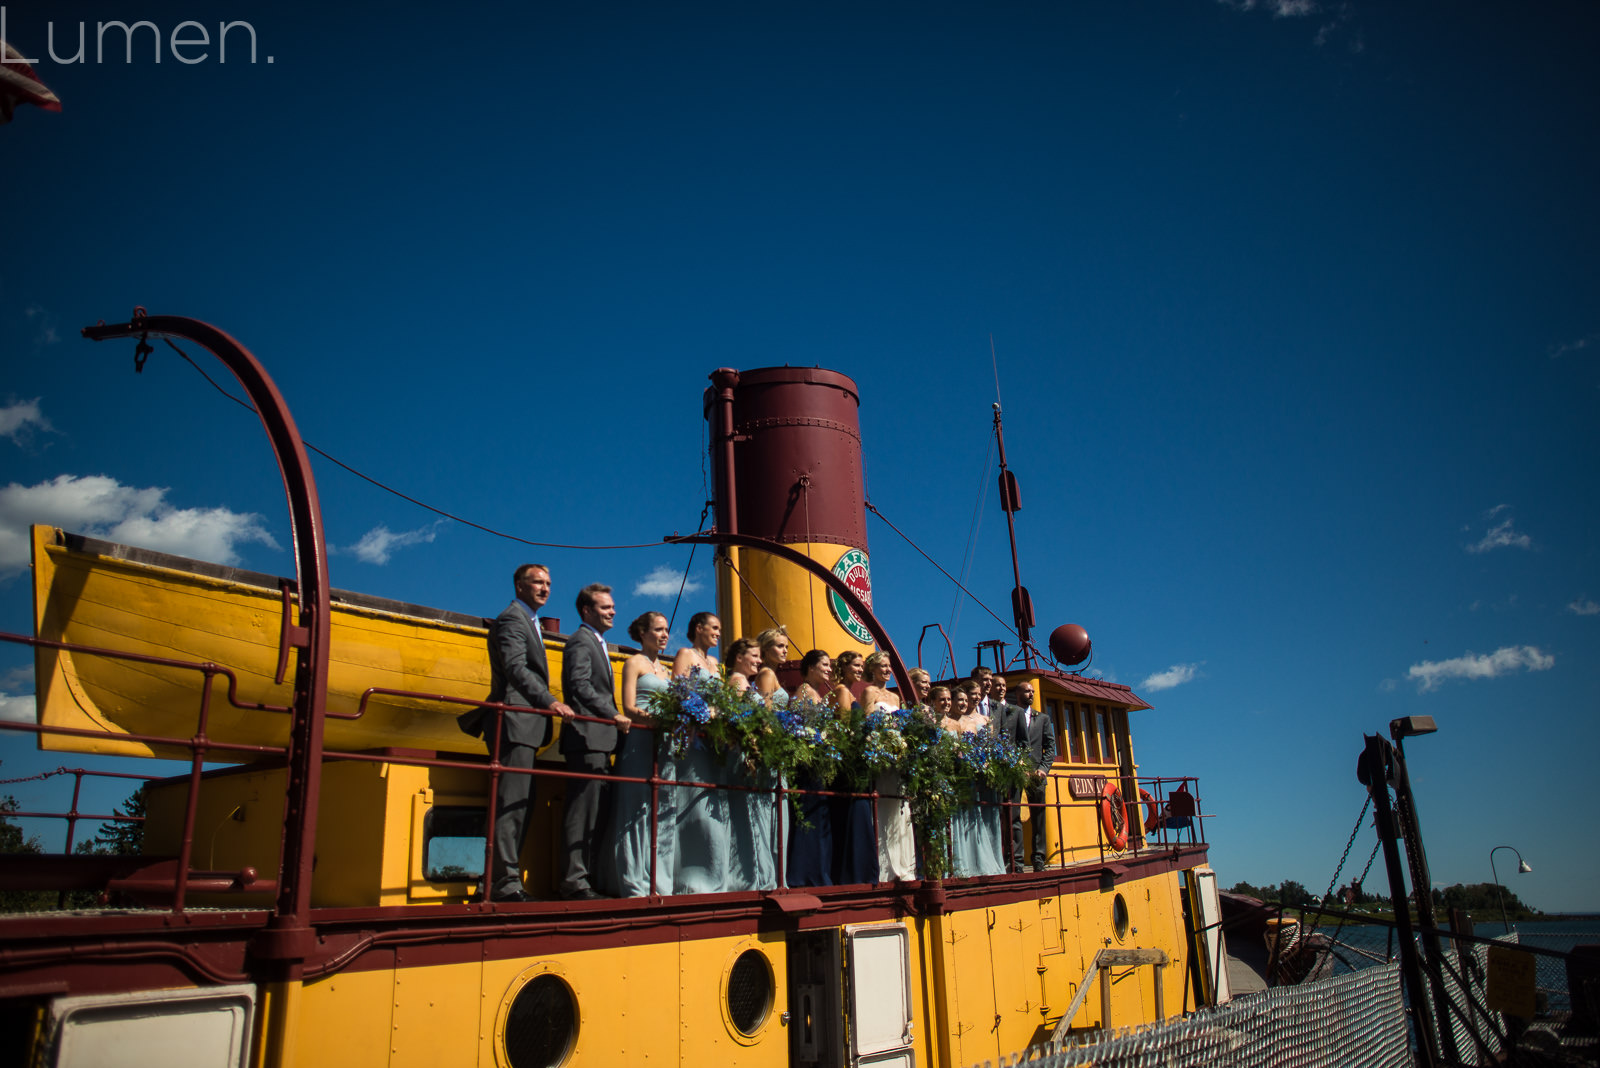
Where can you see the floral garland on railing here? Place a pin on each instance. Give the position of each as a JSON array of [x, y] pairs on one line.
[[939, 771]]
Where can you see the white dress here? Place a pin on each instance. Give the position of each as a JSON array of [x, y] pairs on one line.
[[897, 850]]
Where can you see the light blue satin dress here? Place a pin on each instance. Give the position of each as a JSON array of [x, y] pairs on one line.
[[630, 822], [704, 838], [752, 863]]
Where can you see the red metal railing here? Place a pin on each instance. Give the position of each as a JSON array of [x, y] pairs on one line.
[[177, 877]]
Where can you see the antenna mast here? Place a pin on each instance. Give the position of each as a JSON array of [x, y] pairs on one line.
[[1011, 503]]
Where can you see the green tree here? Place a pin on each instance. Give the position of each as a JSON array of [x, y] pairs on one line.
[[1293, 895], [119, 838], [14, 840]]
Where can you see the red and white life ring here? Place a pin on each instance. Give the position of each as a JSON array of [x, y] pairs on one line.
[[1152, 812], [1114, 816]]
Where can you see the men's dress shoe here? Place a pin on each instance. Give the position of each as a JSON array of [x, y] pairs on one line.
[[584, 894], [511, 895]]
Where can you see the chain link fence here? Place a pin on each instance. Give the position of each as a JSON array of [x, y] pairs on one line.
[[1351, 1020]]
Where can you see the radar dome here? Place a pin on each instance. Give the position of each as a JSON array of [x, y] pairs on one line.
[[1069, 644]]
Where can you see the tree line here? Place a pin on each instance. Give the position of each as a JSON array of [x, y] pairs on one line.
[[1479, 898]]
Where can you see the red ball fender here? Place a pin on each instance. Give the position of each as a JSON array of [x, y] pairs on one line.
[[1114, 816]]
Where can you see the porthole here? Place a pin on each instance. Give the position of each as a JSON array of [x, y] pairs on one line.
[[749, 992], [542, 1024], [1119, 917]]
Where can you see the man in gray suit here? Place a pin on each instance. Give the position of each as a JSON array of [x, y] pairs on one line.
[[518, 675], [1036, 736], [587, 682]]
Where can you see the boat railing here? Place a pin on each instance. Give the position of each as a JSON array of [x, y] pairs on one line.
[[170, 880]]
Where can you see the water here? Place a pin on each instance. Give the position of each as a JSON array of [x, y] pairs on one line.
[[1551, 978]]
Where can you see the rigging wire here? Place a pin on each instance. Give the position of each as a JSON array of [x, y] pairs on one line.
[[688, 568], [405, 497], [874, 510], [969, 554]]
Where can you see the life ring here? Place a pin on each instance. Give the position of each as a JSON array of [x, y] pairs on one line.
[[1152, 814], [1114, 816]]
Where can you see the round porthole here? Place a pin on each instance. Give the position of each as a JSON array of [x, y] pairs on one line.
[[542, 1024], [749, 992], [1119, 917]]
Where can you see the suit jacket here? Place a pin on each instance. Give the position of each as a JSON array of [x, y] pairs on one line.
[[1038, 738], [519, 674], [586, 680]]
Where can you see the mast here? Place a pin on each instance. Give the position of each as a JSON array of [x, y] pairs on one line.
[[1011, 503]]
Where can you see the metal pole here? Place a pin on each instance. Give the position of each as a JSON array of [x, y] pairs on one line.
[[1422, 889], [1375, 770]]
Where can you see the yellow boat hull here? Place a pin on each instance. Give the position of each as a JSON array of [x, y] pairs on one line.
[[106, 596]]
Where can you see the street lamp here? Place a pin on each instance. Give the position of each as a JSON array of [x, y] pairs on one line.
[[1522, 869]]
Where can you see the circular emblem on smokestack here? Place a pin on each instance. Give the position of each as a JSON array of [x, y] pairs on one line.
[[853, 568]]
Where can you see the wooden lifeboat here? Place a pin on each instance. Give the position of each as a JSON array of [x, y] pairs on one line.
[[109, 596]]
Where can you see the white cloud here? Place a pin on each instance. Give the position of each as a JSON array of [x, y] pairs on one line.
[[45, 332], [663, 582], [1584, 607], [18, 678], [1579, 345], [22, 709], [379, 543], [1431, 674], [1500, 536], [104, 508], [1281, 9], [19, 419], [1176, 675]]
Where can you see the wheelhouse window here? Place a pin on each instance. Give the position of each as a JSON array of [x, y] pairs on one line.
[[1073, 733], [1107, 735]]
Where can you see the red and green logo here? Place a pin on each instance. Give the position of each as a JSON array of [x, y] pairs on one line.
[[852, 567]]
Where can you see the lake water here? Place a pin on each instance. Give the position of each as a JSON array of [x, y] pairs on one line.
[[1551, 978]]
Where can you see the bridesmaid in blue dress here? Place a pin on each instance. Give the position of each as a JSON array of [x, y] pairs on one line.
[[810, 859], [771, 817], [701, 865], [643, 674], [750, 864], [964, 823], [991, 836]]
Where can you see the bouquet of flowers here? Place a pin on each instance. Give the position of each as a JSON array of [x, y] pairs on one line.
[[819, 739], [996, 761], [882, 743], [684, 707]]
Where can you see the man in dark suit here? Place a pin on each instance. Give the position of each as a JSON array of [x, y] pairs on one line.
[[1035, 735], [518, 675], [587, 683]]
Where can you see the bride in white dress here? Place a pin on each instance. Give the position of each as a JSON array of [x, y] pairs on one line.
[[897, 851]]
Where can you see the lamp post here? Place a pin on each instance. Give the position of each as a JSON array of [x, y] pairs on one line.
[[1522, 869]]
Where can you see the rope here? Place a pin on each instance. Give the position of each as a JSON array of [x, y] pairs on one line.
[[390, 489], [873, 509]]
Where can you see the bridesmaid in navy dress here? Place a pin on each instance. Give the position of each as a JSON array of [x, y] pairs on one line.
[[811, 840], [855, 842]]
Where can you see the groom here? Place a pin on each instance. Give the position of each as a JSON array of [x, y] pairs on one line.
[[587, 682], [518, 675]]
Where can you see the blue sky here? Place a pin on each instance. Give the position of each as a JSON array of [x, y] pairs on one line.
[[1294, 307]]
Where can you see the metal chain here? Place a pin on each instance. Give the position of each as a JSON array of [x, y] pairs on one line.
[[42, 775], [1354, 831]]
